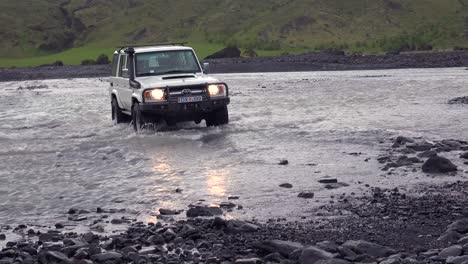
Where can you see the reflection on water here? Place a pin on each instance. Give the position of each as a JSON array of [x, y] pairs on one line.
[[216, 183]]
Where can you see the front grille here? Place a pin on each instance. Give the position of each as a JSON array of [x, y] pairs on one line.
[[176, 92]]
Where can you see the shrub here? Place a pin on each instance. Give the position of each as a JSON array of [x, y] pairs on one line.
[[102, 59], [88, 62], [57, 63], [250, 53]]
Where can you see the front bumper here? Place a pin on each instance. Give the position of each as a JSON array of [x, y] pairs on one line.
[[183, 109]]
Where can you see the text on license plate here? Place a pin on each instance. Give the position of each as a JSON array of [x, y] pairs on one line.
[[190, 99]]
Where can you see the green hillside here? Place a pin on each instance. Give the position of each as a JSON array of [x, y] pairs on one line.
[[39, 32]]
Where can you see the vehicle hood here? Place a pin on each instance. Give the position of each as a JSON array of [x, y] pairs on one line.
[[174, 80]]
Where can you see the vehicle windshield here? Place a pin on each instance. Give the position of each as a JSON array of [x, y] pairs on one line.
[[166, 62]]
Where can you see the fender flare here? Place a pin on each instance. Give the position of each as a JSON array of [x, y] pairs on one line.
[[115, 94]]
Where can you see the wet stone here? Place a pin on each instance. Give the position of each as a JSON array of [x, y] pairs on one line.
[[102, 257], [328, 180], [403, 140], [283, 162], [369, 248], [280, 246], [452, 251], [420, 146], [311, 255], [464, 155], [167, 212], [203, 211], [2, 237], [438, 164], [227, 205], [249, 261], [306, 195], [286, 185], [427, 154]]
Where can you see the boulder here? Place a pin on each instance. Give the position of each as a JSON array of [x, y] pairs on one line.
[[229, 52], [457, 260], [279, 246], [311, 254], [438, 164], [369, 248], [453, 251], [460, 226]]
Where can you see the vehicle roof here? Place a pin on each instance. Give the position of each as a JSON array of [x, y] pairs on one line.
[[155, 48]]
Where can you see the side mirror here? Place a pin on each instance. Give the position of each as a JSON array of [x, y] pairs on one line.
[[125, 73], [206, 67]]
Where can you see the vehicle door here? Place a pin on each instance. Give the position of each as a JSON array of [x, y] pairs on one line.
[[122, 84]]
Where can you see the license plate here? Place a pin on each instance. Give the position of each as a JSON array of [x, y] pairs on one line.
[[190, 99]]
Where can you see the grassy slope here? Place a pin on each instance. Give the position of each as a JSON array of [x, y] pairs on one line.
[[270, 27]]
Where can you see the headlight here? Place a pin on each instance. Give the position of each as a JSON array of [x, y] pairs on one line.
[[155, 95], [217, 90]]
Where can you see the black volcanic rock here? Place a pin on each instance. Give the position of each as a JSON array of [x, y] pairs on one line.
[[438, 164]]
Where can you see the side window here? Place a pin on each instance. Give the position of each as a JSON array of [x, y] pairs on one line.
[[123, 64], [115, 62]]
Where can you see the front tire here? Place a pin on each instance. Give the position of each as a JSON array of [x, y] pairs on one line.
[[138, 120], [218, 118], [118, 116]]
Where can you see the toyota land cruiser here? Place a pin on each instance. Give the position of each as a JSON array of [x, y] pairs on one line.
[[165, 83]]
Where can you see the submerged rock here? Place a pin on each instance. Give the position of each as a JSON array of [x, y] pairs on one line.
[[328, 180], [459, 100], [286, 185], [283, 162], [306, 195], [438, 164]]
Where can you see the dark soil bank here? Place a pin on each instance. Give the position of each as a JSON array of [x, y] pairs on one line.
[[304, 62]]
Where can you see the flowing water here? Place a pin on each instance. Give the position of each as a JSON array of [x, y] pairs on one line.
[[59, 148]]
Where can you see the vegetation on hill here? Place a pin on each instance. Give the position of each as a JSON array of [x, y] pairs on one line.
[[39, 32]]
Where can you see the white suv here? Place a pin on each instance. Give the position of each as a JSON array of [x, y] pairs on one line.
[[165, 83]]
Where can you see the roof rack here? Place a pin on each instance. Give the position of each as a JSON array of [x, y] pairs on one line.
[[150, 45]]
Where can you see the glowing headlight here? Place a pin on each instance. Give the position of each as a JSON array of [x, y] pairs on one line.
[[217, 90], [155, 95]]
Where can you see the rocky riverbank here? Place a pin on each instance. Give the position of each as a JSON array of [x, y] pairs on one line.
[[387, 226], [419, 224], [314, 61]]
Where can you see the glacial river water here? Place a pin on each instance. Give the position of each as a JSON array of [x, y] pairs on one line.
[[59, 148]]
